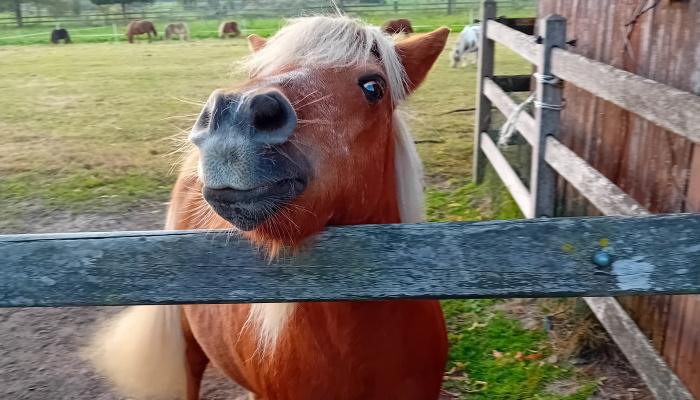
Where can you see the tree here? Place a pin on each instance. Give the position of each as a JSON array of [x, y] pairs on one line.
[[122, 2]]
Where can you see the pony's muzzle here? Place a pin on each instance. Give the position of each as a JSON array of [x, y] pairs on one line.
[[249, 169], [265, 118]]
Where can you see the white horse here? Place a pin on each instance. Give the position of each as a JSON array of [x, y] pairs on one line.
[[468, 43], [177, 29]]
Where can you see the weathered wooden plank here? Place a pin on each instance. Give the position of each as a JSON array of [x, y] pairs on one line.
[[641, 354], [525, 258], [665, 106], [525, 123], [513, 83], [483, 105], [599, 190], [509, 177], [519, 42], [547, 110]]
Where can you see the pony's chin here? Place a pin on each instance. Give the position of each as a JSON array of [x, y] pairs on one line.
[[247, 210]]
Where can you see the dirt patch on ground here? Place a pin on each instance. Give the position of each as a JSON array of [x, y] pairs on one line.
[[586, 343], [40, 348]]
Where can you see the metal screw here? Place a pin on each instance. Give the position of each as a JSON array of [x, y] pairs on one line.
[[602, 259]]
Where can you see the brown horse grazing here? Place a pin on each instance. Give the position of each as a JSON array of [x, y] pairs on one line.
[[177, 29], [228, 28], [60, 34], [317, 136], [397, 26], [136, 28]]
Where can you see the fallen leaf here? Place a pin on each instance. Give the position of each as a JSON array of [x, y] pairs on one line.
[[461, 364], [541, 364], [533, 356], [476, 325], [454, 205], [519, 356], [553, 359], [497, 354], [482, 383]]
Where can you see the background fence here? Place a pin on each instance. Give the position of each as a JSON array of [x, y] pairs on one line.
[[168, 12]]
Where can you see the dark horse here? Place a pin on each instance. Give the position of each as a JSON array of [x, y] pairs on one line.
[[228, 28], [398, 26], [60, 34], [139, 28]]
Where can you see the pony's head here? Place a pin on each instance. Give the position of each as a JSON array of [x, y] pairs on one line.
[[317, 135]]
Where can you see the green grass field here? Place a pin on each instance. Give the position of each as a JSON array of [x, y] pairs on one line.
[[88, 127]]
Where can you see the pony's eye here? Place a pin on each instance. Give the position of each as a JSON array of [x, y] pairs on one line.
[[372, 88]]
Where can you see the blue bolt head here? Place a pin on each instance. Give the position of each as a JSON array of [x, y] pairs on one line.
[[602, 259]]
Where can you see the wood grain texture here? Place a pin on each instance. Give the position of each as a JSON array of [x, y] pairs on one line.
[[641, 354], [665, 106], [509, 177], [547, 111], [526, 258], [519, 42], [593, 185]]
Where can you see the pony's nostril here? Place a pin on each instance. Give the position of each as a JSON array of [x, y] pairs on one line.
[[268, 113]]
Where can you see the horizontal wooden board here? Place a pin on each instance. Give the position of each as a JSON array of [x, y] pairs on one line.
[[594, 186], [665, 106], [521, 258], [525, 45]]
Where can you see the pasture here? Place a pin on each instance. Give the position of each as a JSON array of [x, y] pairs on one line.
[[89, 129]]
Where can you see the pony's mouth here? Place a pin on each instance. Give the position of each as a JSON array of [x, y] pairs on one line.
[[248, 209]]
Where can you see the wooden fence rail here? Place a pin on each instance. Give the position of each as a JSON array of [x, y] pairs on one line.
[[562, 257]]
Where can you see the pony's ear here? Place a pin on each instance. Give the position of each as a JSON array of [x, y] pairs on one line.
[[256, 42], [419, 52]]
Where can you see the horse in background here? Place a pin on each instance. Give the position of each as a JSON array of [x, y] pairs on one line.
[[177, 29], [227, 29], [137, 28], [60, 34], [320, 137], [397, 26], [467, 44]]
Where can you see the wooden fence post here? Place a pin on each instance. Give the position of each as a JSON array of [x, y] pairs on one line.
[[449, 7], [547, 112], [483, 105]]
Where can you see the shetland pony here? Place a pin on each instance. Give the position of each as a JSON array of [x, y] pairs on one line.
[[397, 26], [136, 28], [317, 136], [60, 34], [177, 29], [467, 43], [227, 29]]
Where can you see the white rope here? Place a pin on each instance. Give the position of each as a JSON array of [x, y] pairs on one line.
[[548, 79], [548, 106], [508, 129]]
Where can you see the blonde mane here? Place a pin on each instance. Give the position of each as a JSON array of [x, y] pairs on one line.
[[335, 42]]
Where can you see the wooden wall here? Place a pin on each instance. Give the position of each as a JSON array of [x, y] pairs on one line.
[[660, 40]]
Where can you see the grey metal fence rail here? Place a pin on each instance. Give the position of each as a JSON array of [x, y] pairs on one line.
[[663, 105]]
